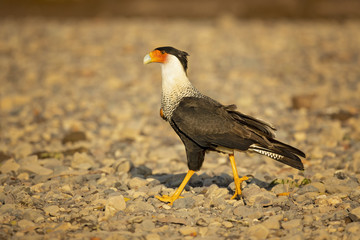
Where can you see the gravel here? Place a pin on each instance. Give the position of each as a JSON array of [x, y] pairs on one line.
[[83, 151]]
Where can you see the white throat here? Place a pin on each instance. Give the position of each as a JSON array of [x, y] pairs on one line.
[[175, 85], [173, 75]]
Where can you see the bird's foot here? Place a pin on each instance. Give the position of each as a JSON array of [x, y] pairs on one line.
[[168, 199], [238, 182]]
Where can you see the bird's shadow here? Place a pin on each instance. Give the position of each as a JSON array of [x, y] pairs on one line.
[[197, 180]]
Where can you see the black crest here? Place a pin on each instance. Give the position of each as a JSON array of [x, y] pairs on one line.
[[181, 55]]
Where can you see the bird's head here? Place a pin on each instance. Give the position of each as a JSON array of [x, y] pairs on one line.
[[163, 55]]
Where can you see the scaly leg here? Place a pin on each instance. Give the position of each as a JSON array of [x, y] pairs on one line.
[[178, 191], [237, 180]]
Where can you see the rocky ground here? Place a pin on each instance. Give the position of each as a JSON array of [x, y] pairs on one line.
[[83, 150]]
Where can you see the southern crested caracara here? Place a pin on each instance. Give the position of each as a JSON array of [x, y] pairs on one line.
[[204, 124]]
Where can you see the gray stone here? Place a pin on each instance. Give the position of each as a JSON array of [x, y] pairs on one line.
[[312, 187], [136, 183], [32, 164], [253, 195], [353, 227], [273, 222], [247, 212], [82, 161], [155, 190], [7, 208], [214, 192], [355, 195], [295, 223], [258, 232], [147, 225], [336, 185], [34, 215], [280, 188], [140, 171], [188, 231], [72, 137], [154, 183], [139, 206], [227, 224], [186, 202], [152, 236], [9, 165], [203, 222], [199, 200], [114, 204], [297, 236], [52, 210], [25, 224], [355, 214], [123, 165], [23, 150], [321, 234], [306, 197], [308, 219]]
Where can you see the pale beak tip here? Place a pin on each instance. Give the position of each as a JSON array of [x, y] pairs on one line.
[[147, 59]]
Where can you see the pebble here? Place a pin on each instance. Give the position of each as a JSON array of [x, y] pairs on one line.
[[23, 176], [202, 222], [258, 232], [253, 195], [32, 164], [82, 161], [8, 166], [188, 231], [214, 192], [186, 202], [273, 222], [34, 215], [312, 187], [23, 150], [247, 212], [291, 224], [73, 137], [335, 185], [353, 227], [152, 236], [355, 214], [227, 224], [26, 224], [147, 225], [123, 166], [155, 190], [114, 204], [52, 210], [140, 206], [136, 183]]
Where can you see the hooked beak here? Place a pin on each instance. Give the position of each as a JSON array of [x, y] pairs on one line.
[[147, 59], [155, 56]]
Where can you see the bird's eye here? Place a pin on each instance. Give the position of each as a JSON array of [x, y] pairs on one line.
[[162, 51]]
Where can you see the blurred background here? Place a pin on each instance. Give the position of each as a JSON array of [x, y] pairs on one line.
[[76, 65], [304, 54], [187, 8]]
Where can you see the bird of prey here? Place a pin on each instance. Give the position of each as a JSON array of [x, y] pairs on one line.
[[203, 124]]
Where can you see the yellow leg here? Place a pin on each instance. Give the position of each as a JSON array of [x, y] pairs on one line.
[[178, 191], [237, 180]]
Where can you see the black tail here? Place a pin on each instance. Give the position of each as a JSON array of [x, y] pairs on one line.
[[281, 152]]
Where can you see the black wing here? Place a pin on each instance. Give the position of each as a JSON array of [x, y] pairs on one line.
[[210, 125]]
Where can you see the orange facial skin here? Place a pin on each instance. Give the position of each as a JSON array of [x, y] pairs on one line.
[[157, 56]]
